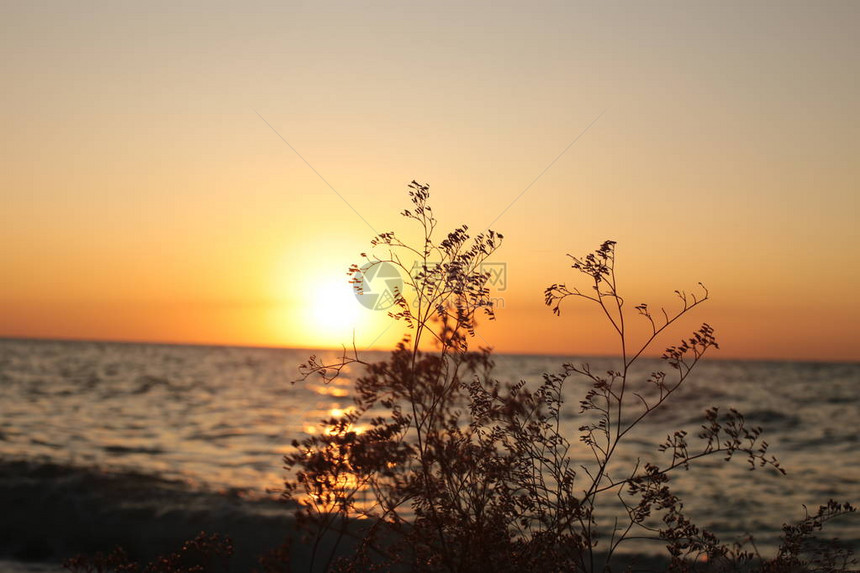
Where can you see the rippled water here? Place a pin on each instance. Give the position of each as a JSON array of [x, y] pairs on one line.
[[220, 418]]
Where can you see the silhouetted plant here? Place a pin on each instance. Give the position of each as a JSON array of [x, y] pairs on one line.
[[441, 467], [206, 553]]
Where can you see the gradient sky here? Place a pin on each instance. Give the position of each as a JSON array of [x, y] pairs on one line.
[[144, 196]]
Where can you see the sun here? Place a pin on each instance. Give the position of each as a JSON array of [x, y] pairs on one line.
[[317, 307], [332, 313]]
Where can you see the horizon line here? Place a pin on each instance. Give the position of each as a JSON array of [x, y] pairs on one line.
[[712, 357]]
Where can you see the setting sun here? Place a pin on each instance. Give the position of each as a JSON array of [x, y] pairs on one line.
[[332, 312], [334, 308]]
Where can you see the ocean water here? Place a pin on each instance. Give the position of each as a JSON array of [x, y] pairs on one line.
[[218, 420]]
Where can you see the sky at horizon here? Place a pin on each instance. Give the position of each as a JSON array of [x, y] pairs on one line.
[[206, 172]]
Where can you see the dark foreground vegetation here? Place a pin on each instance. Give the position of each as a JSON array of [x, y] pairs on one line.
[[440, 467], [49, 511]]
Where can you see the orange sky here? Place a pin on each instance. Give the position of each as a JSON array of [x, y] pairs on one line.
[[144, 198]]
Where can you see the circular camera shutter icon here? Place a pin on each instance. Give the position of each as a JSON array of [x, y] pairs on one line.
[[378, 285]]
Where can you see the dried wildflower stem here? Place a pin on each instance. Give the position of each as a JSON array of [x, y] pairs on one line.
[[468, 474]]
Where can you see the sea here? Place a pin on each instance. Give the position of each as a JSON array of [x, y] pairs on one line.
[[105, 443]]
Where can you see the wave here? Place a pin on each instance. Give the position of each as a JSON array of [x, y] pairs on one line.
[[773, 419]]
